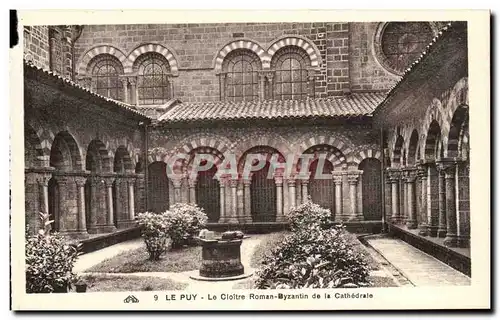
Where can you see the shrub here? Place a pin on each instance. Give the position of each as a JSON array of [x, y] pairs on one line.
[[154, 232], [49, 261], [313, 258], [184, 222], [308, 214]]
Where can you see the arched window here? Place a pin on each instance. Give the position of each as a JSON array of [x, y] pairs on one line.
[[106, 70], [153, 85], [240, 78], [290, 81]]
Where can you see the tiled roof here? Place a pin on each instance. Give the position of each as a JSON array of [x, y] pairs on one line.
[[353, 105], [59, 80]]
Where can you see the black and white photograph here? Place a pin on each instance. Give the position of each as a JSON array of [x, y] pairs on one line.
[[289, 164]]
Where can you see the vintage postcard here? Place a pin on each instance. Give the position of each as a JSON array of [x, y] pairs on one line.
[[250, 160]]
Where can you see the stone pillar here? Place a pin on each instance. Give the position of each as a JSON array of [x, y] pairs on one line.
[[43, 183], [441, 233], [449, 169], [110, 224], [67, 50], [305, 192], [124, 81], [291, 192], [131, 205], [140, 197], [279, 198], [62, 187], [337, 180], [92, 223], [192, 191], [222, 186], [394, 180], [177, 182], [411, 222], [134, 90], [353, 179], [247, 200], [233, 215], [425, 217], [240, 201], [463, 203], [80, 189]]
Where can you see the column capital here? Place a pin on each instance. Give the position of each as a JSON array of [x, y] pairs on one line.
[[409, 174], [80, 181], [267, 74], [177, 182], [192, 183], [108, 181], [394, 174], [233, 183], [337, 177], [353, 176], [291, 181], [447, 166], [278, 180], [132, 80], [247, 181], [124, 79]]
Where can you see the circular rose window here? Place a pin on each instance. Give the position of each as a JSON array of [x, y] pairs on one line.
[[398, 44]]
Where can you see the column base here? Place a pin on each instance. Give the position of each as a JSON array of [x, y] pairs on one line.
[[411, 224], [451, 240], [75, 234], [423, 230], [356, 218], [463, 242], [432, 231], [124, 224], [441, 233]]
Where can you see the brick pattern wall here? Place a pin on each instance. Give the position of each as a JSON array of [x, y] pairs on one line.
[[36, 45], [366, 73], [196, 45]]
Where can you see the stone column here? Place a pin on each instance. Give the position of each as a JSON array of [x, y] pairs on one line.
[[240, 200], [411, 222], [131, 205], [43, 183], [94, 182], [233, 215], [124, 81], [279, 198], [222, 186], [394, 180], [177, 182], [247, 200], [62, 187], [353, 179], [192, 191], [441, 233], [291, 192], [449, 168], [305, 191], [80, 188], [134, 90], [337, 180], [311, 83], [270, 76], [110, 224], [425, 218], [463, 203]]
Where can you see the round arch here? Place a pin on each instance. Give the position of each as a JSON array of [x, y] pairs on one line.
[[454, 133], [240, 44], [397, 151], [65, 154], [297, 41], [33, 151], [412, 148], [152, 47], [98, 50], [97, 158], [122, 160], [433, 142], [365, 152]]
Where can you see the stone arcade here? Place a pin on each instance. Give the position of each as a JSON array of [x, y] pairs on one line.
[[386, 104]]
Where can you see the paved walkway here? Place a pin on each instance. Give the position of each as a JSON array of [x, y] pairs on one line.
[[87, 260], [418, 267]]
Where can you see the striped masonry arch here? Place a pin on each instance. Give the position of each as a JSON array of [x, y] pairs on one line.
[[364, 153], [103, 49], [151, 47], [241, 44], [300, 42]]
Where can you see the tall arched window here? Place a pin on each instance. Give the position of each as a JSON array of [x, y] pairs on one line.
[[290, 81], [153, 85], [106, 70], [240, 78]]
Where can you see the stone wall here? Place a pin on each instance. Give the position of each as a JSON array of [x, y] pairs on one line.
[[36, 45]]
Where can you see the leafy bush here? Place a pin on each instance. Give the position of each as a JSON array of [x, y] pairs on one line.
[[313, 258], [308, 214], [154, 232], [49, 261], [184, 222]]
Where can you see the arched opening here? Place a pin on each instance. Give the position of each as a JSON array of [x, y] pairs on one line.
[[412, 150], [371, 188], [32, 148], [97, 161], [64, 157], [433, 151], [208, 193], [398, 151], [321, 186], [263, 195], [158, 187]]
